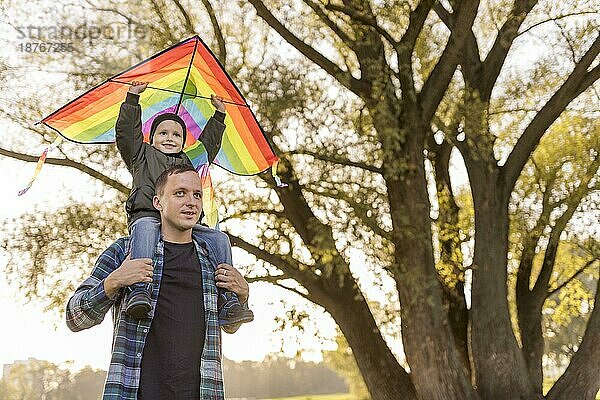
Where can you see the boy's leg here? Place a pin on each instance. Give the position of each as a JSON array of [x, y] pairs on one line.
[[145, 233], [230, 309]]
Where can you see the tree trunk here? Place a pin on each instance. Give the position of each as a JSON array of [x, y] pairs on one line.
[[451, 257], [501, 371], [529, 311], [530, 326], [337, 292], [437, 370], [384, 376], [458, 315], [581, 380]]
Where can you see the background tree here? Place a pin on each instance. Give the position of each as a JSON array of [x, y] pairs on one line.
[[342, 361], [42, 380]]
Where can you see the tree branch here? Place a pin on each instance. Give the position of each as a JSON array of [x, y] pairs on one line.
[[572, 278], [159, 11], [589, 79], [435, 86], [294, 269], [344, 77], [267, 211], [65, 162], [445, 15], [554, 19], [528, 141], [506, 35], [189, 26], [336, 160], [217, 31], [368, 20], [267, 278], [450, 134], [417, 19], [360, 209], [405, 49], [299, 293], [330, 23]]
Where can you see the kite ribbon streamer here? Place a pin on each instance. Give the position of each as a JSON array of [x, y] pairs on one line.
[[275, 176], [209, 205], [40, 163]]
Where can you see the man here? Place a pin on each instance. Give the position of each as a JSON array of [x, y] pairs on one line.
[[175, 353]]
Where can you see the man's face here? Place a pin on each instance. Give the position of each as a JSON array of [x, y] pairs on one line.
[[180, 203], [168, 137]]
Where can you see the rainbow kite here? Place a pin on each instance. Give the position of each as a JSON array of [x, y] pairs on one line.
[[181, 80]]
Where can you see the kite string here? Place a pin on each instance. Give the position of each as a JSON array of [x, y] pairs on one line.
[[181, 93], [40, 163], [209, 204]]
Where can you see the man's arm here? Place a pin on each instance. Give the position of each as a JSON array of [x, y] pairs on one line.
[[96, 295], [90, 303], [129, 126], [229, 278]]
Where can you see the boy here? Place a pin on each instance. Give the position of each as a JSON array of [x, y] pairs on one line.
[[146, 162]]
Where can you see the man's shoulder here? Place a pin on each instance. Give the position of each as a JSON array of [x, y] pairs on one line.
[[210, 234], [119, 247], [215, 239]]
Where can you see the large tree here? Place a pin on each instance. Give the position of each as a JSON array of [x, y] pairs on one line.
[[366, 103]]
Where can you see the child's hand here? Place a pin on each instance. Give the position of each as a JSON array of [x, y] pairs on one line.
[[217, 102], [138, 87]]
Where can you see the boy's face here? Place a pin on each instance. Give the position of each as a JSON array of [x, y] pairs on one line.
[[168, 137]]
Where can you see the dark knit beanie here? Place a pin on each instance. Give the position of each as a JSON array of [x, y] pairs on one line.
[[165, 117]]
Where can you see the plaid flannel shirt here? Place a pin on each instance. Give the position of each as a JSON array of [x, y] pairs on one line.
[[88, 306]]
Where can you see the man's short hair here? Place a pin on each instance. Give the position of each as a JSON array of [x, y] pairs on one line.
[[161, 181]]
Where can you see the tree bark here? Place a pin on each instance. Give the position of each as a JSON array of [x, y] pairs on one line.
[[501, 371], [532, 339], [451, 257], [383, 375], [437, 369], [529, 308], [530, 301]]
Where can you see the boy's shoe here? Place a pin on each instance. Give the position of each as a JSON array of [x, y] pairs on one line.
[[234, 313], [138, 305]]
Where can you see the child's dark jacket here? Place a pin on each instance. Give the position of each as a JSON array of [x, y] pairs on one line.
[[145, 163]]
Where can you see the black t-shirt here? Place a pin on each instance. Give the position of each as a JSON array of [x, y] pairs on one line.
[[171, 360]]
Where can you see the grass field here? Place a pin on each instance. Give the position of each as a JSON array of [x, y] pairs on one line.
[[339, 396], [345, 396]]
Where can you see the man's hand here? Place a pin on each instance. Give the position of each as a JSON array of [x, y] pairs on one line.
[[229, 278], [217, 102], [130, 272], [137, 87]]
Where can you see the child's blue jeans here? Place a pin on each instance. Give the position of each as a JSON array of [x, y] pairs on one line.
[[144, 236]]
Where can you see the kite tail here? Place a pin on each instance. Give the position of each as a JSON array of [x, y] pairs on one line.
[[209, 205], [40, 163], [275, 176]]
